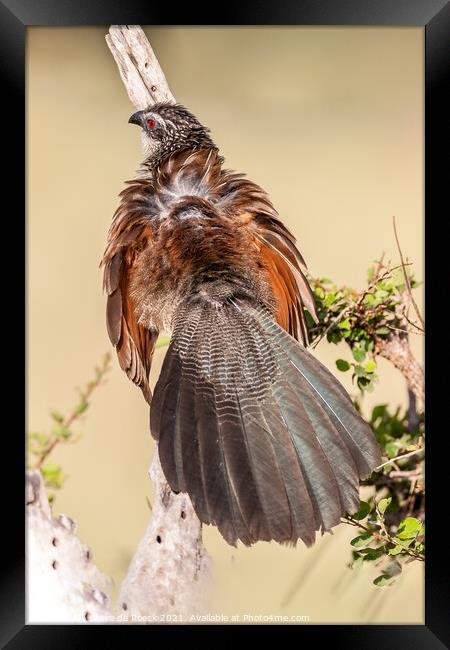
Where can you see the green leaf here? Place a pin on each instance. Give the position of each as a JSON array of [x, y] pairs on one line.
[[342, 365], [364, 509], [330, 299], [370, 365], [319, 293], [404, 542], [361, 540], [58, 417], [391, 449], [408, 528], [52, 475], [42, 438], [334, 336], [364, 383], [358, 354], [309, 319], [381, 294], [81, 408], [369, 299], [344, 324], [389, 285], [379, 411], [372, 554], [382, 330], [50, 468], [62, 432], [383, 504], [396, 550], [398, 277]]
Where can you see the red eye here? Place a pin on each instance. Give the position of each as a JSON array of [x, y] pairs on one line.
[[151, 124]]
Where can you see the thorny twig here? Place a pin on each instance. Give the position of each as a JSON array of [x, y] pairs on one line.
[[389, 462], [407, 283], [421, 330], [77, 412]]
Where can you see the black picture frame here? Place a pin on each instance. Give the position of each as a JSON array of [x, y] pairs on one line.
[[15, 17]]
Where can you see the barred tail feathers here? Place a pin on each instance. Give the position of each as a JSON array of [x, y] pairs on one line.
[[260, 434]]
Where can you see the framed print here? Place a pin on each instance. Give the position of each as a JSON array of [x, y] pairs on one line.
[[258, 195]]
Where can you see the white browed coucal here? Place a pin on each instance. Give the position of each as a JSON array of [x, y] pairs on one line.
[[260, 434]]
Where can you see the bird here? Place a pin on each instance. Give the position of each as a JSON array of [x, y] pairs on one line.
[[262, 437]]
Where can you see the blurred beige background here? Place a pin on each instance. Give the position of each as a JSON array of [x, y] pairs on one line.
[[330, 122]]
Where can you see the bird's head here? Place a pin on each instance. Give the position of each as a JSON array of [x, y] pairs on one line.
[[166, 128]]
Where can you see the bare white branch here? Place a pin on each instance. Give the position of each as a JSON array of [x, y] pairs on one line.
[[63, 583], [139, 68], [170, 572]]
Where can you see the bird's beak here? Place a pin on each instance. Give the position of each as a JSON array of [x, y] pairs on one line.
[[136, 118]]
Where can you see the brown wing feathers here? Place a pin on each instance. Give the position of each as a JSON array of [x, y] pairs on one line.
[[246, 202], [134, 343], [285, 269]]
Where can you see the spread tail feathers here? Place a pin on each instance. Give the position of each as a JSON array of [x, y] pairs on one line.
[[260, 434]]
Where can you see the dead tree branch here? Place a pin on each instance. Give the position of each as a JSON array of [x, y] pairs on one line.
[[169, 571]]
